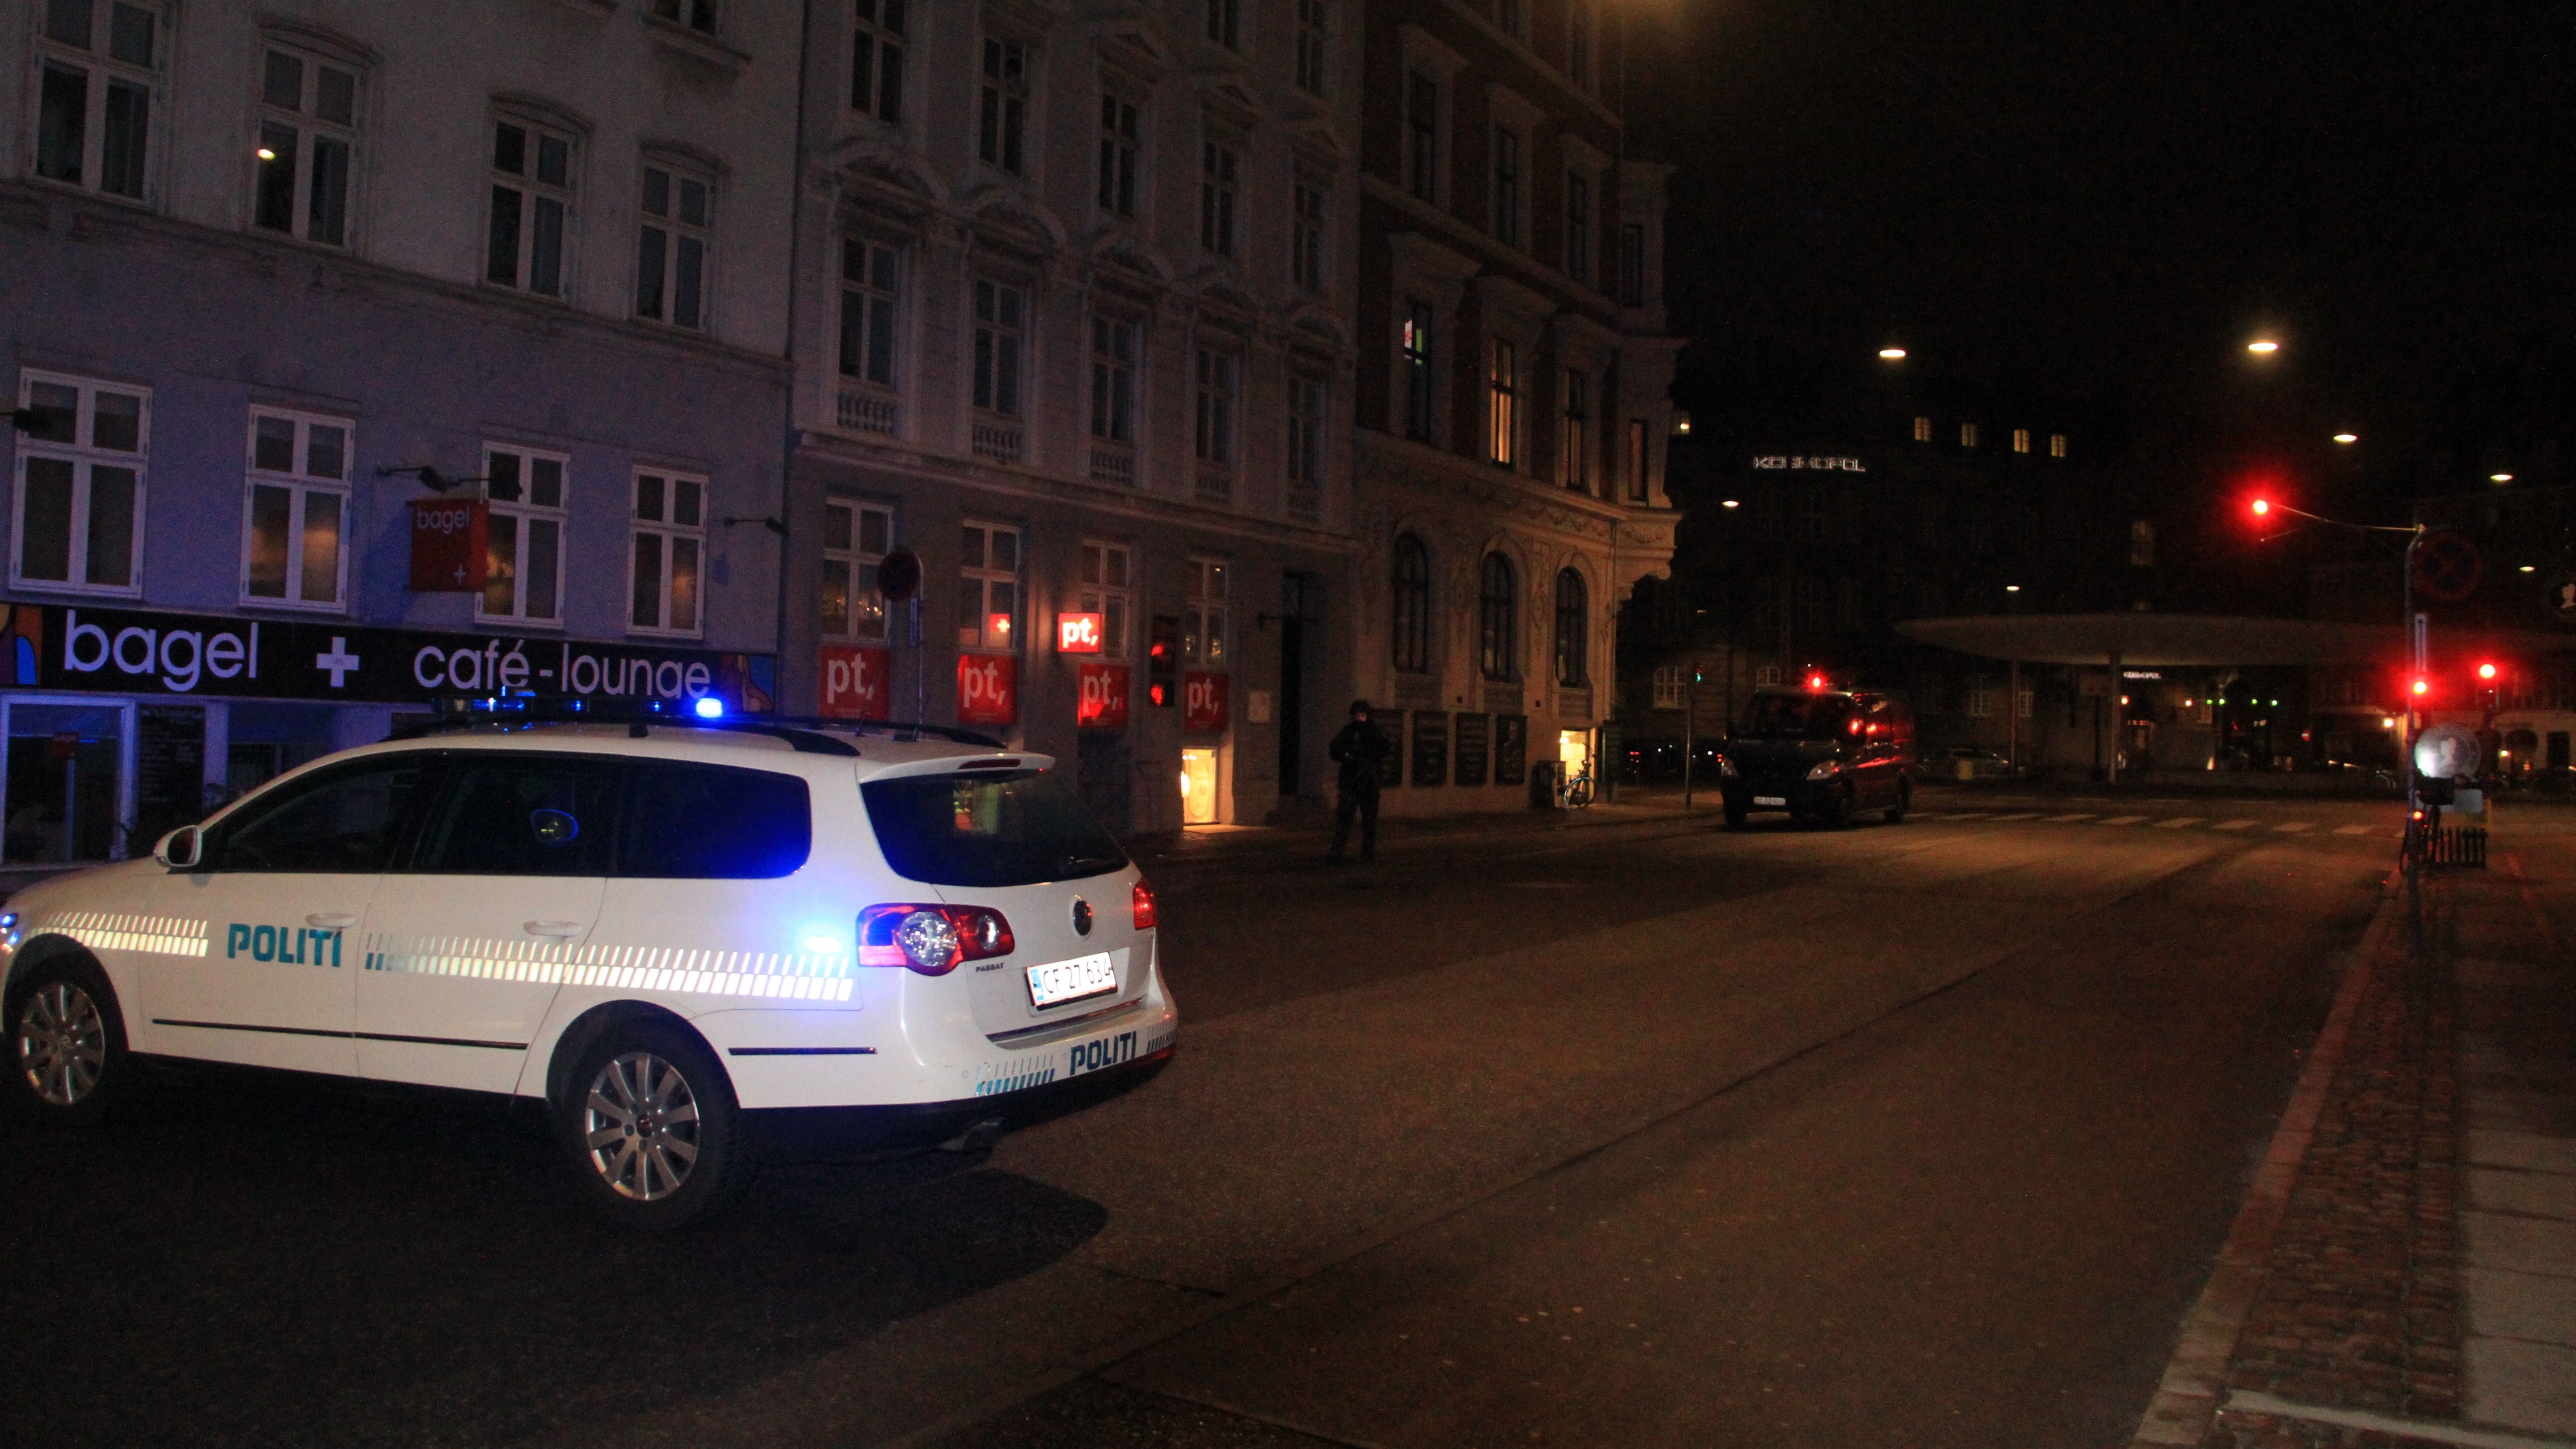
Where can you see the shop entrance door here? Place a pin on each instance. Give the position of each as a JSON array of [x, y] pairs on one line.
[[1198, 787], [69, 790]]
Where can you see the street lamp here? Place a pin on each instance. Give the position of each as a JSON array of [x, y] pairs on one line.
[[1891, 354], [2263, 347], [2499, 477], [2346, 438]]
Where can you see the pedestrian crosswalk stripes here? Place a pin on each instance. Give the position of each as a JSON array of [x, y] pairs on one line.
[[2291, 827], [2176, 822], [2236, 824], [2064, 819], [2352, 830], [2124, 820]]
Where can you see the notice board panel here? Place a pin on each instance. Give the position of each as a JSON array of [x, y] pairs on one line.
[[1430, 747], [1511, 749], [1470, 749]]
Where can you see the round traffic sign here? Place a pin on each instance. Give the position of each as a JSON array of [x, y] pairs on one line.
[[899, 575], [2447, 567], [2447, 752]]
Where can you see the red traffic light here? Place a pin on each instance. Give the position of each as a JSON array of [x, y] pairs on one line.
[[1815, 681], [2486, 671], [2262, 506], [2422, 687]]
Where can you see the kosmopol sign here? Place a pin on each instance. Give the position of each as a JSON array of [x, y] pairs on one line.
[[150, 652]]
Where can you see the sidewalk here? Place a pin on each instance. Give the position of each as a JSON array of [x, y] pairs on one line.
[[2395, 1280]]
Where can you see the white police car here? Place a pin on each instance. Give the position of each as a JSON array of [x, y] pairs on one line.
[[652, 927]]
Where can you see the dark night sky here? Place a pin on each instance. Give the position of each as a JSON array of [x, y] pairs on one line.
[[2104, 199]]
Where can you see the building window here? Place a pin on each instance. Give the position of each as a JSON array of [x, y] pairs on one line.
[[1922, 430], [308, 131], [856, 538], [2021, 440], [1224, 20], [670, 538], [295, 526], [1118, 133], [1573, 629], [876, 60], [1422, 132], [1305, 433], [1967, 435], [1507, 186], [1981, 697], [523, 565], [97, 69], [1216, 394], [1004, 117], [988, 588], [1668, 686], [1578, 227], [1417, 373], [1573, 434], [1306, 239], [2057, 445], [1108, 582], [870, 274], [1113, 380], [1632, 265], [1216, 197], [1641, 460], [531, 200], [672, 246], [698, 15], [2142, 544], [1203, 612], [1411, 614], [1497, 618], [1502, 412], [1313, 26], [1578, 42], [999, 313], [81, 461], [1512, 18]]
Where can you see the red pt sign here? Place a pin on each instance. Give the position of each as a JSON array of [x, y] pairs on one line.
[[1205, 696], [854, 682], [1077, 633], [988, 689], [1105, 689]]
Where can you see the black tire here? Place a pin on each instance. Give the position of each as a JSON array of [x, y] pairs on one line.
[[1838, 815], [1735, 817], [650, 1125], [67, 1058], [1904, 802]]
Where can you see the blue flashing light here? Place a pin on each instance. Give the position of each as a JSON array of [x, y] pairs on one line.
[[822, 945], [710, 707]]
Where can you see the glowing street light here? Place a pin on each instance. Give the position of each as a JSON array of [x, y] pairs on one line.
[[2527, 568], [2012, 588], [1891, 354], [1730, 503], [2346, 438], [2499, 477], [2262, 346]]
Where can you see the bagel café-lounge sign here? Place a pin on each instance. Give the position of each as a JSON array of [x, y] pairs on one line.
[[139, 651]]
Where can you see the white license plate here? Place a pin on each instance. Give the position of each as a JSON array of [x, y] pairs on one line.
[[1058, 982], [1776, 801]]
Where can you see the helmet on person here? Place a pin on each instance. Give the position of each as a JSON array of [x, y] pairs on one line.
[[1359, 707]]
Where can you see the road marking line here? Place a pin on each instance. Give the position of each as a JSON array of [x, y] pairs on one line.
[[2178, 822], [2124, 820], [2236, 825], [2025, 815], [1970, 815], [2354, 829], [2291, 827], [2243, 1401], [2064, 819]]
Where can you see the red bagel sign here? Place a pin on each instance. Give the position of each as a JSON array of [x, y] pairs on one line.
[[450, 540]]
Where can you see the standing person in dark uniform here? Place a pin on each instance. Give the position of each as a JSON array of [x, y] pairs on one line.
[[1359, 749]]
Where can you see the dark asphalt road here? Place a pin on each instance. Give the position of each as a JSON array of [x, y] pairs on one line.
[[1638, 1135]]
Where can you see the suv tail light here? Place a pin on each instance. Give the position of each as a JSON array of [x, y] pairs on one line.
[[933, 940], [1143, 901]]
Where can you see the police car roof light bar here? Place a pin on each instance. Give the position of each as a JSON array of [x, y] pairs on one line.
[[808, 733]]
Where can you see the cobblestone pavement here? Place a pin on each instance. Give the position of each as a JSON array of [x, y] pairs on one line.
[[2338, 1316]]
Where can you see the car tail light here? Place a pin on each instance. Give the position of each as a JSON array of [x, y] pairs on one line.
[[933, 940], [1143, 900]]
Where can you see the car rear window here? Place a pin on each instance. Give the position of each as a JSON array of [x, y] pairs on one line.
[[988, 829], [713, 822], [1797, 717]]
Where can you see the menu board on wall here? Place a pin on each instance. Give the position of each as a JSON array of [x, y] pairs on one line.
[[169, 771], [1471, 749], [1430, 747], [1511, 749], [1390, 766]]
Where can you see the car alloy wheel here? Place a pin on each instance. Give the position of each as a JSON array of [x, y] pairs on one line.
[[641, 1126], [62, 1043]]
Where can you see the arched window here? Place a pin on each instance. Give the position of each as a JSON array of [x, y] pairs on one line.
[[1412, 612], [1497, 621], [1573, 629]]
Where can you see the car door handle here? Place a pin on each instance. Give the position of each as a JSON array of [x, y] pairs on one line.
[[330, 920], [555, 928]]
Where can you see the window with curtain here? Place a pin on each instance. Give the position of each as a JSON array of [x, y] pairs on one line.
[[1497, 617], [1411, 614], [1573, 629]]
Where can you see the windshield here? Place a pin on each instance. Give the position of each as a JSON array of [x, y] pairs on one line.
[[987, 829], [1796, 717]]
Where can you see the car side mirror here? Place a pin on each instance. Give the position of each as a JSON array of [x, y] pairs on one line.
[[180, 849]]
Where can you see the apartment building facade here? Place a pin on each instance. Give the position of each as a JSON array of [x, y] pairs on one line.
[[1072, 330], [280, 273], [1513, 390]]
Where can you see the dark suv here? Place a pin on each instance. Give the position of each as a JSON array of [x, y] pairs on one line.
[[1821, 754]]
